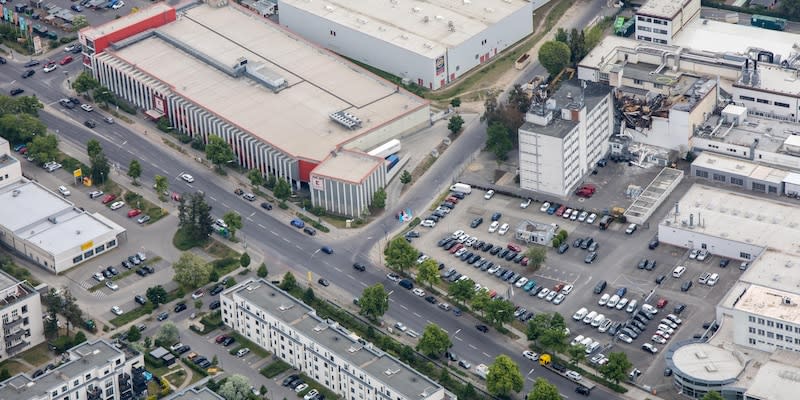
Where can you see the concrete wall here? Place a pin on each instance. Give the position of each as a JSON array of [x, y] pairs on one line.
[[677, 235], [349, 199], [541, 163], [762, 103], [748, 183]]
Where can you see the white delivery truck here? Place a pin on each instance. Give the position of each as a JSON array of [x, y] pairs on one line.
[[462, 188], [481, 370]]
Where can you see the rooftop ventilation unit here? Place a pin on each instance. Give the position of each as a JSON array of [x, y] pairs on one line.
[[451, 26], [15, 192], [389, 372], [284, 307], [349, 121]]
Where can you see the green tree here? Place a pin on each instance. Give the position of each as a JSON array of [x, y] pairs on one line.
[[576, 353], [4, 374], [536, 256], [85, 82], [617, 367], [554, 338], [374, 301], [544, 390], [161, 186], [191, 271], [244, 260], [498, 140], [282, 189], [100, 168], [405, 177], [43, 148], [480, 301], [135, 171], [428, 272], [712, 395], [168, 334], [308, 296], [554, 56], [503, 377], [434, 341], [379, 198], [456, 102], [21, 128], [400, 254], [562, 36], [500, 312], [462, 291], [272, 180], [455, 124], [157, 295], [195, 217], [234, 222], [577, 45], [134, 334], [519, 99], [256, 177], [218, 151], [288, 283], [790, 7], [236, 387], [79, 338], [537, 326], [103, 95], [262, 271], [93, 148], [79, 22]]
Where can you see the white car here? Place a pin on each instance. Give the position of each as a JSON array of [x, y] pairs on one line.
[[526, 203], [422, 259], [428, 223], [668, 322], [457, 234], [663, 334], [592, 217], [64, 191], [605, 325], [665, 328], [52, 167], [400, 327], [649, 347], [566, 290], [469, 242], [493, 226], [674, 318], [678, 271], [622, 303], [186, 177], [87, 107], [521, 282], [580, 314], [589, 317], [116, 310], [694, 253], [582, 217], [544, 207], [632, 306], [550, 296], [625, 338], [488, 194], [111, 285], [559, 299], [530, 355], [702, 255], [460, 252], [117, 205], [118, 5], [631, 228], [658, 339], [604, 299], [712, 280], [543, 293], [503, 229], [393, 277], [577, 340], [574, 215], [311, 394], [95, 194], [300, 387], [567, 213], [419, 292], [50, 67], [98, 277], [573, 375], [598, 320]]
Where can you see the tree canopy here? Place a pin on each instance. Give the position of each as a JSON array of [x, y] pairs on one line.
[[374, 301], [234, 222], [543, 390], [434, 341], [236, 387], [498, 140], [503, 377], [617, 367], [400, 254], [428, 272], [554, 56], [191, 271], [218, 151], [168, 334]]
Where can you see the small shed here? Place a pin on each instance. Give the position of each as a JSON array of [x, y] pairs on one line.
[[160, 353]]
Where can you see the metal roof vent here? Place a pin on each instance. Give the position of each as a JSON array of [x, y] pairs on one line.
[[16, 192]]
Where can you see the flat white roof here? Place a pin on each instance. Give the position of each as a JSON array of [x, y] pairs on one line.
[[295, 120], [722, 37], [769, 302], [776, 380], [666, 9], [738, 166], [605, 51], [707, 362], [27, 203], [741, 217], [775, 269], [349, 166], [403, 22]]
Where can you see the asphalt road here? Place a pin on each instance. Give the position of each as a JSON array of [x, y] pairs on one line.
[[275, 237]]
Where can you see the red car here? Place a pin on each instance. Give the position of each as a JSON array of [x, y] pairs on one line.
[[662, 303], [66, 60], [134, 212], [561, 210], [176, 196], [452, 200], [492, 294], [220, 338], [524, 262], [109, 198], [515, 248], [456, 248]]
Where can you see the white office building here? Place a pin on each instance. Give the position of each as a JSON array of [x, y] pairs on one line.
[[336, 358], [659, 21], [430, 43], [89, 371], [564, 136]]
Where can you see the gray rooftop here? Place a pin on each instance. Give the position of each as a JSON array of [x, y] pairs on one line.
[[83, 359], [770, 134], [194, 393], [568, 95], [666, 9], [27, 202], [302, 318], [349, 166], [707, 362]]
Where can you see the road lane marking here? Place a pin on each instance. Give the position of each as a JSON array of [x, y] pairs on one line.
[[484, 353], [226, 205], [460, 340], [351, 277], [362, 284], [298, 246], [417, 315], [404, 307], [273, 232], [428, 321], [472, 347], [286, 240], [336, 268], [262, 226], [251, 215], [212, 198], [390, 299]]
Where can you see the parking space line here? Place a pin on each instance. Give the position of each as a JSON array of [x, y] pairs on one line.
[[286, 240], [404, 307], [273, 232], [212, 198], [351, 277], [461, 340], [365, 285], [417, 315], [262, 226], [336, 268], [392, 300], [472, 347], [484, 353]]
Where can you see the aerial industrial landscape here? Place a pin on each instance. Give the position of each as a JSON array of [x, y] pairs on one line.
[[400, 199]]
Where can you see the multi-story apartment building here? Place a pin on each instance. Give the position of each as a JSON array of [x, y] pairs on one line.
[[21, 313], [658, 21], [563, 137], [336, 358], [92, 371]]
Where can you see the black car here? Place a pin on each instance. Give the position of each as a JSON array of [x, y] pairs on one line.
[[309, 231], [90, 123], [125, 264], [586, 243], [495, 250], [600, 287], [17, 91], [228, 341], [653, 244], [289, 379], [518, 258], [412, 234], [75, 101], [660, 279], [431, 299], [578, 242], [28, 74], [31, 63], [66, 103], [476, 222], [450, 356], [582, 390], [450, 244], [503, 253], [141, 272], [214, 305], [323, 282], [183, 349], [651, 265], [140, 299], [148, 268], [558, 367], [296, 383], [266, 206], [482, 328], [643, 263], [510, 256], [679, 308], [107, 274], [496, 216], [563, 248], [204, 364], [487, 246], [217, 290], [457, 195], [359, 267], [443, 241], [724, 262], [180, 307], [686, 286], [162, 316], [3, 60]]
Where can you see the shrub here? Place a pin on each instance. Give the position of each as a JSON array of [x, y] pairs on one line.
[[184, 138], [274, 369]]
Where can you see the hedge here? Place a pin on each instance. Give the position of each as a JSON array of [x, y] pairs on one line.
[[274, 369], [194, 367]]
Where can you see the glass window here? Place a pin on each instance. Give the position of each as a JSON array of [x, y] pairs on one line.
[[88, 253], [77, 259]]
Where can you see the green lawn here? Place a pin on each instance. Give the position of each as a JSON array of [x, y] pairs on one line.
[[254, 348], [37, 355], [13, 367]]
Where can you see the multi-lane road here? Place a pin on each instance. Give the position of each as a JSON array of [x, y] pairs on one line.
[[271, 233]]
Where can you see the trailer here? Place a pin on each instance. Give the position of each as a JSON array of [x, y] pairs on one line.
[[391, 161], [766, 22], [461, 188], [385, 150]]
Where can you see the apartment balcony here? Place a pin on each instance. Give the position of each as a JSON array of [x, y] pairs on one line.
[[12, 324], [12, 350], [95, 394]]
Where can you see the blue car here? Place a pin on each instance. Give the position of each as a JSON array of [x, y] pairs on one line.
[[298, 223], [552, 209], [327, 250], [621, 291]]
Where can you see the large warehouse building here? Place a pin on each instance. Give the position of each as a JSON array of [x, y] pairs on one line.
[[430, 43], [45, 227], [285, 106]]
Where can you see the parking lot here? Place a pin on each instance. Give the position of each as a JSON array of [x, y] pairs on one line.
[[617, 263]]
